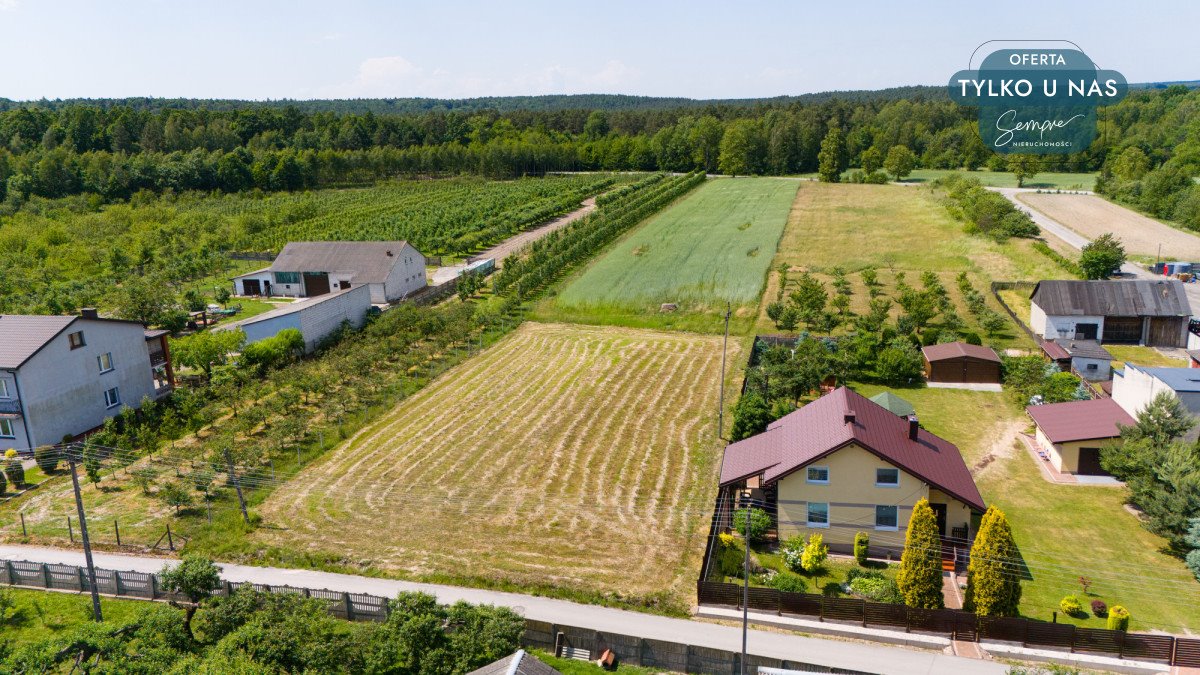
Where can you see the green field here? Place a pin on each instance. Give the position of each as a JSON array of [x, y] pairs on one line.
[[711, 248], [1048, 180], [40, 615]]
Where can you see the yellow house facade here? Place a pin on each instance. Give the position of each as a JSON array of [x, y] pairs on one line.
[[843, 465], [1070, 435]]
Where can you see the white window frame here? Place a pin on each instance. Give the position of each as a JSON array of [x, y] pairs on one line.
[[100, 362], [12, 430], [887, 528], [115, 400], [808, 515], [4, 388], [814, 481], [887, 485]]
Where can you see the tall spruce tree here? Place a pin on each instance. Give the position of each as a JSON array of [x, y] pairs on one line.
[[831, 159], [920, 575], [993, 587]]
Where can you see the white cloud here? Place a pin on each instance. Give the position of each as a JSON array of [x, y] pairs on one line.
[[330, 37], [396, 76], [9, 5]]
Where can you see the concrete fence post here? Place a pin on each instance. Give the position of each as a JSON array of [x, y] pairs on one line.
[[349, 606], [153, 586], [45, 575], [79, 574]]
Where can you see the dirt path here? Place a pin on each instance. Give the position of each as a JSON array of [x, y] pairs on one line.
[[509, 246]]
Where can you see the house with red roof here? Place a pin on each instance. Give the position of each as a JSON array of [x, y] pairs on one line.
[[1072, 433], [844, 464]]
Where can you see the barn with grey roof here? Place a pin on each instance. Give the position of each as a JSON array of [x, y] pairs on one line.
[[1152, 312], [393, 270]]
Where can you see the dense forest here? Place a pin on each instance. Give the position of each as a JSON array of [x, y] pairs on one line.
[[1149, 150]]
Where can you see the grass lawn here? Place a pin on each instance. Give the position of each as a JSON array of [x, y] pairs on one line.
[[1064, 531], [1143, 356], [38, 615], [1045, 180], [892, 228], [710, 248], [577, 667]]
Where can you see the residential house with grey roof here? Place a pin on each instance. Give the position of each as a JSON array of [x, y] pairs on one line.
[[1152, 312], [1086, 357], [65, 375], [305, 269]]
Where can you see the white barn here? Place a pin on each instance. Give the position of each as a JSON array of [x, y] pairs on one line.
[[393, 270]]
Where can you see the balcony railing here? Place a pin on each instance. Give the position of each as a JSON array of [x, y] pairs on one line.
[[158, 358], [10, 406]]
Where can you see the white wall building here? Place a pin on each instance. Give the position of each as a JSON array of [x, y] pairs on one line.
[[65, 375], [304, 269], [315, 318], [1135, 387]]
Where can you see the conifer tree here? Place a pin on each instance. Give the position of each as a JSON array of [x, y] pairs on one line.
[[920, 575], [993, 587]]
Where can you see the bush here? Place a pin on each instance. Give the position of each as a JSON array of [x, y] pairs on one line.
[[861, 573], [878, 589], [1071, 606], [1118, 618], [13, 469], [862, 543], [760, 522], [788, 583], [792, 552], [46, 458], [731, 555], [972, 338], [1099, 608], [814, 554]]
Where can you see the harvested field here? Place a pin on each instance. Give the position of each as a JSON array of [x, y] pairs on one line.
[[568, 456], [1093, 216]]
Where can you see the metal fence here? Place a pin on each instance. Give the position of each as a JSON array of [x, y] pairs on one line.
[[146, 586], [959, 624]]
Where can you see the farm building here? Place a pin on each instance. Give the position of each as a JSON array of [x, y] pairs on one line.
[[894, 403], [1134, 387], [1071, 434], [1143, 311], [305, 269], [315, 318], [1087, 357], [959, 362], [65, 375], [843, 463]]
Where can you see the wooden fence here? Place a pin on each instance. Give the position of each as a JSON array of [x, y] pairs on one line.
[[959, 624]]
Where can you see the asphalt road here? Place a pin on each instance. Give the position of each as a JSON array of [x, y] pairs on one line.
[[1078, 241], [834, 653]]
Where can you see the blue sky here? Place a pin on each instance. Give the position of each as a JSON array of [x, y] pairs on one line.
[[260, 49]]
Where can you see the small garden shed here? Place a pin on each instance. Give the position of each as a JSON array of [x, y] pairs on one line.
[[960, 362]]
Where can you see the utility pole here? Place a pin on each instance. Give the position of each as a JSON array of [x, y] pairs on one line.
[[87, 546], [721, 405], [237, 485], [746, 582]]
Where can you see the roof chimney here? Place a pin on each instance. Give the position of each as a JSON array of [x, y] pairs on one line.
[[89, 313], [913, 426], [848, 417]]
